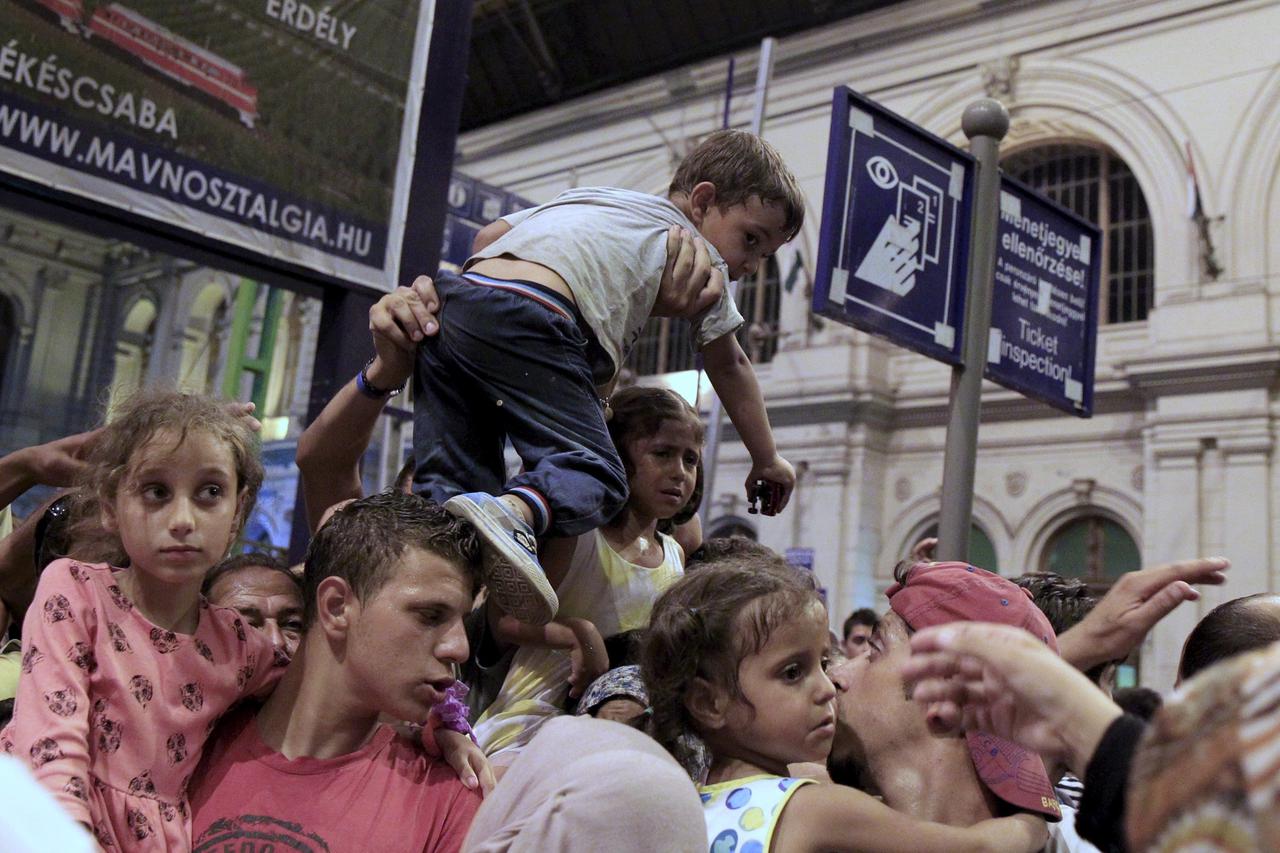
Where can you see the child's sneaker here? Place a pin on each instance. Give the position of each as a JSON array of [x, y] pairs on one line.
[[511, 569]]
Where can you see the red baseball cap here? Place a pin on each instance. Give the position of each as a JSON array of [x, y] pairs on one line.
[[938, 593]]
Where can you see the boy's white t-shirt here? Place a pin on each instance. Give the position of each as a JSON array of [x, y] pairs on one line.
[[610, 247]]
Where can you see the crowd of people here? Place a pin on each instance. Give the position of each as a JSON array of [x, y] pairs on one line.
[[555, 659]]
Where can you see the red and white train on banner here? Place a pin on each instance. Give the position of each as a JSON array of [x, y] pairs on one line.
[[163, 50]]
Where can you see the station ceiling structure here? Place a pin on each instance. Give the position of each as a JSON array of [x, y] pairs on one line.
[[530, 54]]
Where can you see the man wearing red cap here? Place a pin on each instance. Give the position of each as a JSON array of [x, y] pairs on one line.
[[883, 739]]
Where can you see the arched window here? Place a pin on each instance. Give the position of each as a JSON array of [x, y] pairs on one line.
[[982, 552], [1094, 548], [759, 299], [1099, 186], [664, 345], [133, 349]]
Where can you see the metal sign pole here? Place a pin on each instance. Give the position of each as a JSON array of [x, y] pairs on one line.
[[711, 447], [985, 122]]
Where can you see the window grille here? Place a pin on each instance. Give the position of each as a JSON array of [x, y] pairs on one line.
[[1099, 186], [664, 344]]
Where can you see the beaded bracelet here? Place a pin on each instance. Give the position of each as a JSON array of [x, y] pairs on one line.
[[367, 388]]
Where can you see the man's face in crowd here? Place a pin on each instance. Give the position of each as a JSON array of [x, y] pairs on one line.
[[857, 643], [403, 641], [266, 599], [873, 710]]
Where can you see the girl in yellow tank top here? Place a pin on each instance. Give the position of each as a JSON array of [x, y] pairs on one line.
[[606, 580]]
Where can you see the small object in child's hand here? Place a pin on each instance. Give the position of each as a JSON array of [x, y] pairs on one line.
[[764, 496]]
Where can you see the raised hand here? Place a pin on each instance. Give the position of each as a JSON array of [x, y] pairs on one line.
[[778, 473], [1132, 607], [690, 283], [1001, 680], [398, 322]]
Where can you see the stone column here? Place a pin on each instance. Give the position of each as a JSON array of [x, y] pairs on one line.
[[836, 511], [15, 380], [48, 374], [1173, 531], [1247, 516], [308, 311], [818, 521], [164, 364], [864, 507]]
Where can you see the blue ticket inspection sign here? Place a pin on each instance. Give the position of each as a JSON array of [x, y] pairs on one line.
[[893, 247], [1044, 301]]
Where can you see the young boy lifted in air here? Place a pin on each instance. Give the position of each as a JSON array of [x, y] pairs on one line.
[[547, 312]]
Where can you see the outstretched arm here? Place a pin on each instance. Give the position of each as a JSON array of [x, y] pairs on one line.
[[56, 463], [330, 449], [833, 817], [1132, 607], [731, 375], [1000, 679]]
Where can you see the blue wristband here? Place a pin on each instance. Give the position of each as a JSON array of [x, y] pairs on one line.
[[367, 388]]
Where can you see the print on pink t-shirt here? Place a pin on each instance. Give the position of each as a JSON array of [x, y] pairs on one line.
[[387, 795]]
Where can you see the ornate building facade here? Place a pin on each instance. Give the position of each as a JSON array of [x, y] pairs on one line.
[[1112, 104]]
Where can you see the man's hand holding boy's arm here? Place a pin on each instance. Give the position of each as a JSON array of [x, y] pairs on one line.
[[735, 382], [329, 451], [691, 284], [398, 322]]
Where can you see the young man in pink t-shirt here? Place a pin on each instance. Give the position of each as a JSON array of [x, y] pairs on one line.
[[387, 582]]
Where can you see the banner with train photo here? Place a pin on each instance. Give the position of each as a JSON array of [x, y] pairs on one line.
[[279, 126]]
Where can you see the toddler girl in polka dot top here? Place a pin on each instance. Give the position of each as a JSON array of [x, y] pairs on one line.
[[125, 671], [736, 654]]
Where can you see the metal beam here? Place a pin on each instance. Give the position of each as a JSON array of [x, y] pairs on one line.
[[544, 64]]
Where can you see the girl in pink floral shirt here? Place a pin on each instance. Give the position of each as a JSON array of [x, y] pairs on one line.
[[125, 671]]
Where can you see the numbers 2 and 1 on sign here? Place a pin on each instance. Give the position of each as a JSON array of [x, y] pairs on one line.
[[893, 257]]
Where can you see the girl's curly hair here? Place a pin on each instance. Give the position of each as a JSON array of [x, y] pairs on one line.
[[134, 427]]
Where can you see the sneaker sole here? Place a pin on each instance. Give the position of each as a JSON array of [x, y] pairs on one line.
[[515, 579]]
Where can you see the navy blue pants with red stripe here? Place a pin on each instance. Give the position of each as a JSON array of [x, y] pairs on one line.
[[511, 362]]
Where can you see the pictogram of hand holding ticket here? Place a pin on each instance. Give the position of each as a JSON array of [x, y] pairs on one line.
[[891, 262]]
